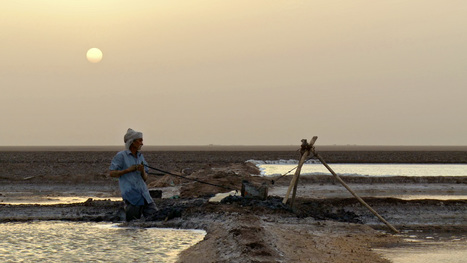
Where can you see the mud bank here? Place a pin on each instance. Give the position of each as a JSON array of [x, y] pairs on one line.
[[76, 166], [242, 230]]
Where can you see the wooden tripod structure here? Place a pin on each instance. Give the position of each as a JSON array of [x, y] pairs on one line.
[[306, 150]]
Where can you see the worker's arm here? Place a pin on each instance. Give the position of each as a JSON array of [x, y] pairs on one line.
[[118, 173], [144, 175], [139, 167]]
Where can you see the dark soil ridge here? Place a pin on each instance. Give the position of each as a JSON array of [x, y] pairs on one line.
[[335, 209], [106, 182], [62, 163]]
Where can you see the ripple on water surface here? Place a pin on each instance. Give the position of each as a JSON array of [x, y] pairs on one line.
[[56, 241]]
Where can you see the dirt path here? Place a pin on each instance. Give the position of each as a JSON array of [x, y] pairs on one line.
[[250, 238]]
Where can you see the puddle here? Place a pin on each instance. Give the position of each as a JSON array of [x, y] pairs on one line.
[[56, 241], [420, 247], [422, 197], [51, 200]]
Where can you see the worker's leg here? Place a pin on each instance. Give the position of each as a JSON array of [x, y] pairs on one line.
[[132, 211], [149, 210]]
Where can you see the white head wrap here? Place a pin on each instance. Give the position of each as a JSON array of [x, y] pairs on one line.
[[130, 136]]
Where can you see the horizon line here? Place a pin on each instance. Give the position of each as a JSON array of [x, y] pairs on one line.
[[219, 147]]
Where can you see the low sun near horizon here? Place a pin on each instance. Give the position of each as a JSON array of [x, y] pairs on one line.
[[94, 55]]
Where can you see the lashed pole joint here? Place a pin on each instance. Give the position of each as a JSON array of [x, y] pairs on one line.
[[305, 150]]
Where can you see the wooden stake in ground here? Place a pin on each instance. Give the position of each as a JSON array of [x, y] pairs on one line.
[[353, 193], [305, 151]]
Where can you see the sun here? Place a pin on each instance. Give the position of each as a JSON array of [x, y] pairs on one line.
[[94, 55]]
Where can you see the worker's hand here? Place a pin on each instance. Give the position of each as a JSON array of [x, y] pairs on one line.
[[137, 167], [140, 168], [133, 168], [143, 173]]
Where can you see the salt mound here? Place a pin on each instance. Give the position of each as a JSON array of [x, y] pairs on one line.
[[165, 181]]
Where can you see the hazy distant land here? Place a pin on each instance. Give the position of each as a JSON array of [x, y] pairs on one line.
[[239, 148]]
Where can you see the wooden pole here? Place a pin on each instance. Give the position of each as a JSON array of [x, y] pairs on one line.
[[305, 150], [295, 177], [353, 193]]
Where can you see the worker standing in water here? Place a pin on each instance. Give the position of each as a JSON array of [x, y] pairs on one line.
[[130, 168]]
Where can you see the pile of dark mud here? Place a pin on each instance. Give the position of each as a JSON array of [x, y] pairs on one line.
[[91, 210], [106, 210], [310, 208]]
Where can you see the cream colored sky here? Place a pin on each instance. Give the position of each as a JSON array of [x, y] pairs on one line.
[[243, 72]]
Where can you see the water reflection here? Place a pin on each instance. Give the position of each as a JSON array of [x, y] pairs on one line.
[[362, 169], [21, 199], [428, 247], [428, 252], [56, 241]]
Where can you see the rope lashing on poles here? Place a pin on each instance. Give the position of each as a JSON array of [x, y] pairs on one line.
[[184, 177], [282, 176], [302, 150]]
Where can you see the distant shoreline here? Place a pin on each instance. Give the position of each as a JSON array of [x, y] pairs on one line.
[[272, 148]]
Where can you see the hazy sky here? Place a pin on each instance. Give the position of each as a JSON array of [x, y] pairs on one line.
[[243, 72]]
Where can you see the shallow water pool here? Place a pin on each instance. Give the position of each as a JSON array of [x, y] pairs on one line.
[[57, 241], [428, 248], [362, 169]]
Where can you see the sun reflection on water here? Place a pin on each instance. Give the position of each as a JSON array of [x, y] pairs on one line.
[[54, 241]]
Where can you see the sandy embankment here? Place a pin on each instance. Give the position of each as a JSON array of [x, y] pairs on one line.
[[328, 227]]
